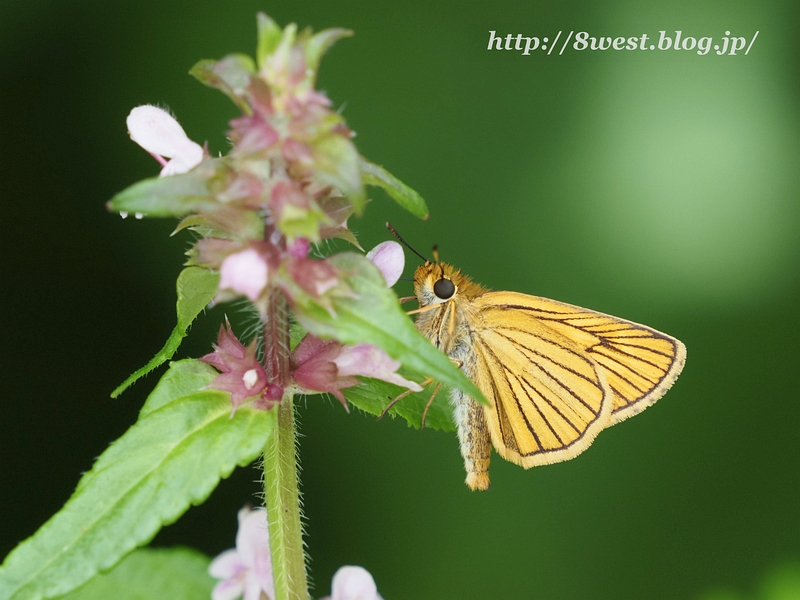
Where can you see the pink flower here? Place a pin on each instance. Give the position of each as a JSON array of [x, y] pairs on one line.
[[296, 152], [247, 570], [244, 191], [371, 361], [252, 133], [244, 272], [210, 252], [315, 277], [331, 366], [353, 583], [389, 258], [298, 247], [159, 133], [240, 372]]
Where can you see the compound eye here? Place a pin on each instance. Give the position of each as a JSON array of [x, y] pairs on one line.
[[444, 289]]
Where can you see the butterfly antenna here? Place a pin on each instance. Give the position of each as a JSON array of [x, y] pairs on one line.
[[405, 243], [436, 253]]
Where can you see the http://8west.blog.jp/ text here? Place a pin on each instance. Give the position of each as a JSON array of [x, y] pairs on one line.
[[726, 45]]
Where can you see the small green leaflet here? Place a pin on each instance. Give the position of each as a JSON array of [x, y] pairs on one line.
[[372, 174], [231, 75], [173, 196], [196, 288], [373, 395]]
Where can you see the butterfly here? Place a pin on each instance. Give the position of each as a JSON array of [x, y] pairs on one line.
[[555, 375]]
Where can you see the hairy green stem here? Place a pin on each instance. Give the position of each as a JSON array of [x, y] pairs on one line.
[[282, 495], [281, 488]]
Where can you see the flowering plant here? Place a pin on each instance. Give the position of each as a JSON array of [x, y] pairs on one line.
[[328, 324]]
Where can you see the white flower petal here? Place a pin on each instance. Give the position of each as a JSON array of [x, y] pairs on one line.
[[354, 583], [183, 163], [229, 589], [252, 539], [226, 565], [250, 378], [247, 570], [389, 258], [262, 571], [245, 272], [158, 132], [252, 590]]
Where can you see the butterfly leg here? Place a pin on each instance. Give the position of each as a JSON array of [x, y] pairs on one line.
[[474, 438], [423, 309], [458, 364], [403, 395], [428, 405]]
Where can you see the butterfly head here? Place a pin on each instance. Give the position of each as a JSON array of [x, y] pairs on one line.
[[433, 283], [438, 283]]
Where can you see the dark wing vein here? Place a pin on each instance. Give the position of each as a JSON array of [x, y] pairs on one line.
[[565, 367], [535, 406], [554, 407], [620, 375], [498, 403], [670, 355], [607, 345]]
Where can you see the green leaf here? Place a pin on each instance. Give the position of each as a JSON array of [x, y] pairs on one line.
[[196, 223], [372, 174], [231, 75], [174, 456], [150, 573], [373, 395], [318, 44], [184, 377], [372, 314], [172, 196], [338, 209], [196, 288], [269, 37], [236, 223]]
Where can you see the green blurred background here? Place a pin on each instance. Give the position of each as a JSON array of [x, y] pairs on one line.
[[658, 186]]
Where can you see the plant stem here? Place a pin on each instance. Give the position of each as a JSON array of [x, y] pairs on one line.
[[281, 489], [282, 495]]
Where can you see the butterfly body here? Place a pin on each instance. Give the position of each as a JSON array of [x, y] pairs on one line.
[[555, 375]]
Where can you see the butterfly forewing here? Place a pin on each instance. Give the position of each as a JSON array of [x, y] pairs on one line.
[[641, 364], [638, 362]]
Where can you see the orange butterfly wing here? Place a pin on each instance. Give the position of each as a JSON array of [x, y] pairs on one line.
[[556, 374]]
